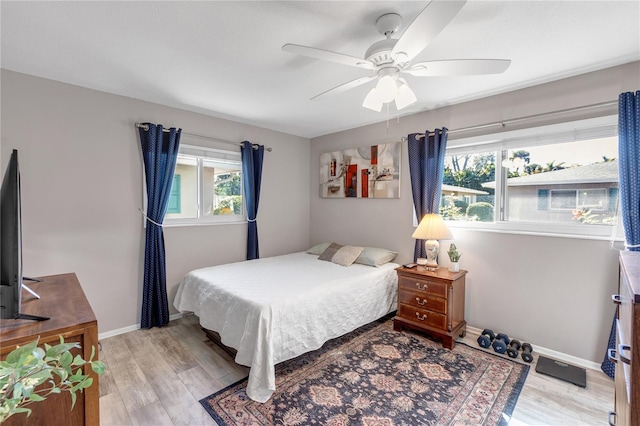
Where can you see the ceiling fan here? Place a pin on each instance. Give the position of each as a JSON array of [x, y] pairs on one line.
[[389, 58]]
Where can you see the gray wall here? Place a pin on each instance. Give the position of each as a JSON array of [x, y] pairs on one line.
[[82, 187], [548, 290]]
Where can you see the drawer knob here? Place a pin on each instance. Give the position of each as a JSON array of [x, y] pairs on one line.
[[421, 317], [421, 302], [613, 415], [611, 355], [422, 286], [616, 299]]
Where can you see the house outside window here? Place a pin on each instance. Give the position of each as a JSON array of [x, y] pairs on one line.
[[208, 188], [174, 196], [563, 182]]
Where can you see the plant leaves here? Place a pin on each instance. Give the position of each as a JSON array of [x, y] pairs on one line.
[[98, 367], [37, 378], [57, 350], [15, 354], [29, 366], [36, 397], [78, 361], [65, 359], [73, 399], [61, 372], [21, 410]]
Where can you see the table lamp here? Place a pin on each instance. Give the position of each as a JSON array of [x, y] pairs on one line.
[[431, 229]]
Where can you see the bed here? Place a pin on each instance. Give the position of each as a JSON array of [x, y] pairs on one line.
[[274, 309]]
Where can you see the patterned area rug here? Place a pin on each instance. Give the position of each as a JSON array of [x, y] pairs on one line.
[[377, 376]]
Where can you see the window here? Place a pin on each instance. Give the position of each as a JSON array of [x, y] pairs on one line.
[[560, 179], [207, 187], [468, 189], [571, 199]]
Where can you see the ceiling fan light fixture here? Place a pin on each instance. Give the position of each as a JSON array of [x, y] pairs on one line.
[[373, 101], [390, 58], [387, 88], [405, 97]]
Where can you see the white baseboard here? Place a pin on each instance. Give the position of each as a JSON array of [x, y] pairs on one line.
[[570, 359], [130, 328], [475, 332]]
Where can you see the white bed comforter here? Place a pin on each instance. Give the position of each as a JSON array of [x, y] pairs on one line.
[[274, 309]]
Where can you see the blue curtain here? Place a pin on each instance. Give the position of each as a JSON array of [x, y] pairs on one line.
[[160, 152], [629, 166], [252, 156], [629, 177], [426, 168]]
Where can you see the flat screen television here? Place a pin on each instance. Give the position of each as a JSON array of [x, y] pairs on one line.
[[11, 245]]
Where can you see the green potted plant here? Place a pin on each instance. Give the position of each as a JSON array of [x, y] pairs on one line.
[[28, 367], [454, 257]]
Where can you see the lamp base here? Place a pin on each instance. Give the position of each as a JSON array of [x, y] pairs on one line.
[[432, 247]]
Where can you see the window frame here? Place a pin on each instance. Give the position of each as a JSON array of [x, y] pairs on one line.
[[500, 143], [201, 154]]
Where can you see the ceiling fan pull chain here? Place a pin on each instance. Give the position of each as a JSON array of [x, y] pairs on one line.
[[387, 104]]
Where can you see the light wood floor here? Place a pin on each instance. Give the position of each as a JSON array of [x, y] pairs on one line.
[[156, 377]]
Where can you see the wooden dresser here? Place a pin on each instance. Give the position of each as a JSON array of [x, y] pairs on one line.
[[626, 354], [61, 299], [431, 302]]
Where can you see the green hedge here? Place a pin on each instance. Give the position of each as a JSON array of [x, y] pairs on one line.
[[483, 211]]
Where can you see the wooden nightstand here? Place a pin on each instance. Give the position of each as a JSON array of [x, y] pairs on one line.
[[431, 302]]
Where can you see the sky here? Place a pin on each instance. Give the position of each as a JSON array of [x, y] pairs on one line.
[[581, 152]]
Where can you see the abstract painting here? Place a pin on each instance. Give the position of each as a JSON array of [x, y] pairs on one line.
[[366, 172]]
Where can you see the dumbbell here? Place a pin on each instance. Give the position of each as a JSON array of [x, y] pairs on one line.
[[526, 352], [485, 338], [500, 343], [513, 348]]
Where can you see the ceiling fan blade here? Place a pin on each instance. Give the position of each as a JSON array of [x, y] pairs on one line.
[[327, 55], [433, 18], [458, 67], [346, 86]]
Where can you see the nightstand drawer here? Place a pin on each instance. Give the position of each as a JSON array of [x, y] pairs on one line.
[[422, 316], [432, 287], [421, 300]]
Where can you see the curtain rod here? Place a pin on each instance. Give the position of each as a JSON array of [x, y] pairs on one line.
[[526, 118], [145, 127]]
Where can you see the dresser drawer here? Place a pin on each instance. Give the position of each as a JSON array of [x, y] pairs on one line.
[[420, 300], [423, 286], [423, 316]]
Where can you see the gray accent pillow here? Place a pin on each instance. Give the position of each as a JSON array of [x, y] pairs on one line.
[[346, 255], [328, 253]]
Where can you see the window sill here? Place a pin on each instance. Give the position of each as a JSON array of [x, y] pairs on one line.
[[584, 232], [178, 224]]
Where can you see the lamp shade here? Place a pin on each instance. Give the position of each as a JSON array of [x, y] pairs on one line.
[[432, 227]]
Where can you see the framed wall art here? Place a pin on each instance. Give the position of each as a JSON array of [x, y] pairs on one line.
[[365, 172]]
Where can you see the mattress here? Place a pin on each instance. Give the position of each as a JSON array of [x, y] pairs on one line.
[[277, 308]]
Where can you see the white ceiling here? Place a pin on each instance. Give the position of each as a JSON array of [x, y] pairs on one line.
[[224, 58]]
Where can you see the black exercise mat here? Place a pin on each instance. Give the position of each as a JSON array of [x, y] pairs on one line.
[[562, 370]]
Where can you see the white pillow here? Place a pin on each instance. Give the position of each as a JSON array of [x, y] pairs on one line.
[[318, 249], [373, 256]]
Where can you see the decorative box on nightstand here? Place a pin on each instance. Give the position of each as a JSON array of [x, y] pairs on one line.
[[431, 302]]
